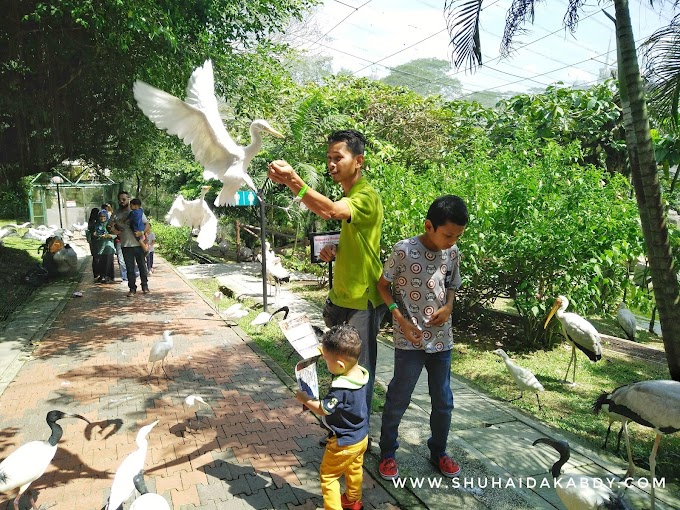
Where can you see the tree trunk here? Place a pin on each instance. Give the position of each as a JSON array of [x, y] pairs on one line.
[[648, 191]]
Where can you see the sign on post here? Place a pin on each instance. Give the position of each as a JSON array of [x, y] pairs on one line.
[[246, 198], [318, 240]]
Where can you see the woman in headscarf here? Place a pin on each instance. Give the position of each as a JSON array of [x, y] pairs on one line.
[[104, 247]]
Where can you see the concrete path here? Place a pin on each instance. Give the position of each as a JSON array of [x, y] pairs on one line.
[[490, 439]]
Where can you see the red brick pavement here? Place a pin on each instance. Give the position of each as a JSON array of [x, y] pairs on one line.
[[253, 449]]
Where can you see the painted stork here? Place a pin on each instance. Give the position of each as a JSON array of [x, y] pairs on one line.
[[581, 492], [578, 331], [123, 483], [654, 404], [28, 462], [197, 122], [627, 321], [524, 379]]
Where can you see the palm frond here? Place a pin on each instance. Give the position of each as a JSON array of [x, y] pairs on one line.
[[462, 23], [661, 71]]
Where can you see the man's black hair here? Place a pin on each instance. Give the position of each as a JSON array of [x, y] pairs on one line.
[[356, 141], [448, 208]]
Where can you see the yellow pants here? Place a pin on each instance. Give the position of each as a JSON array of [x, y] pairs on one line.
[[338, 461]]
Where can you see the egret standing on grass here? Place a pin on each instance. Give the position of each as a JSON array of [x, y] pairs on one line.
[[627, 321], [197, 122], [654, 404], [160, 350], [28, 462], [123, 481], [578, 331], [195, 214], [147, 500], [524, 379], [581, 492]]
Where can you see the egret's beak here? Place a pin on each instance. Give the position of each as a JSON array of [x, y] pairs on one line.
[[552, 312], [275, 133]]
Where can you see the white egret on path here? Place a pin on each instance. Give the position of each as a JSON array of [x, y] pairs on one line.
[[578, 331], [627, 321], [581, 492], [276, 273], [123, 484], [217, 297], [28, 462], [524, 379], [160, 350], [654, 404], [147, 500], [195, 214], [197, 122], [193, 402]]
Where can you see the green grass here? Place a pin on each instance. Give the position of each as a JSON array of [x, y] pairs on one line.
[[570, 408]]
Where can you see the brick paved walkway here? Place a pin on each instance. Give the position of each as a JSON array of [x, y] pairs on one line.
[[253, 448]]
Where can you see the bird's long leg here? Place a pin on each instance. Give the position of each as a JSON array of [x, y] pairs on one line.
[[631, 466], [618, 441], [521, 394], [163, 367], [539, 402], [652, 464], [151, 370], [606, 436], [573, 379], [573, 354], [16, 501]]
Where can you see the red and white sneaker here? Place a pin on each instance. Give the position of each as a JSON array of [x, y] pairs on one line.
[[350, 505], [388, 468], [447, 466]]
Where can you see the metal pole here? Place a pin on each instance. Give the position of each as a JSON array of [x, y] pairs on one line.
[[61, 224], [263, 255]]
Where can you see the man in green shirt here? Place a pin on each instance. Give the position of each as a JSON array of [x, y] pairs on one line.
[[354, 298]]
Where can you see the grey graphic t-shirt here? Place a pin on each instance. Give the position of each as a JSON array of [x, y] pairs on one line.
[[420, 279]]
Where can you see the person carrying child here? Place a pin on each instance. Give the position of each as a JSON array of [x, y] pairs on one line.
[[344, 413], [136, 220], [418, 284]]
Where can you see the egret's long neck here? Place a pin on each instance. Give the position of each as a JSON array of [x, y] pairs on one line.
[[255, 143]]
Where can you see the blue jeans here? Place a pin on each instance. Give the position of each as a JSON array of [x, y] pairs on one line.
[[407, 368], [121, 262], [367, 322], [135, 255]]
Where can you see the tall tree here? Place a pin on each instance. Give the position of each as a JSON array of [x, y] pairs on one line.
[[425, 76], [463, 24]]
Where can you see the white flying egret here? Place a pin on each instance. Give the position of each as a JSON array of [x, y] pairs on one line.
[[195, 214], [197, 122], [578, 331], [654, 404], [123, 483], [28, 462], [581, 492], [147, 500], [627, 321], [160, 350], [193, 402], [524, 379]]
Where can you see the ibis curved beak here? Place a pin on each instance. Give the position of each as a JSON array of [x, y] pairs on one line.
[[552, 312], [78, 416], [274, 132]]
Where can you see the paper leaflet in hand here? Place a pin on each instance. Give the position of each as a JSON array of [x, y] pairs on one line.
[[299, 332], [305, 373]]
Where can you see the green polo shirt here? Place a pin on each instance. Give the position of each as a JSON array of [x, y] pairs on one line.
[[357, 263]]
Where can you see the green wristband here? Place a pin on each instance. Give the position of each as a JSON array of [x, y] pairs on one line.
[[392, 307], [303, 190]]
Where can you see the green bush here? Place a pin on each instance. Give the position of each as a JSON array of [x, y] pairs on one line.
[[171, 241]]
